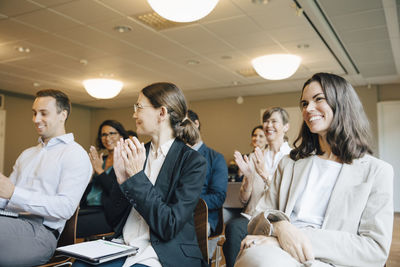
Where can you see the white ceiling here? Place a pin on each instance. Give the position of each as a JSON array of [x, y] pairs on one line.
[[356, 38]]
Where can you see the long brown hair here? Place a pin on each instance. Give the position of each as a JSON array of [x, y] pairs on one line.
[[349, 133], [168, 95]]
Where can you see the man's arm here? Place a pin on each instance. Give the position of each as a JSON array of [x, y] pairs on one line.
[[60, 202], [215, 194]]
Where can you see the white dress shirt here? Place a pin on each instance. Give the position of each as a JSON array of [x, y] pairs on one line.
[[49, 180], [259, 186], [310, 207], [136, 231]]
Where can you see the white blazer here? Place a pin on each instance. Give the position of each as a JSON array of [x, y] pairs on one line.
[[358, 223]]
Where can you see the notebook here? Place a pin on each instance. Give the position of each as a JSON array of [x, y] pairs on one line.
[[8, 213], [98, 251]]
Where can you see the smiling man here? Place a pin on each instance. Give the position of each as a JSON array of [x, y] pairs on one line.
[[45, 186]]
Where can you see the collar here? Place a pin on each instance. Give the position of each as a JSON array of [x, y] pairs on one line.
[[65, 138], [198, 145], [283, 149], [164, 148]]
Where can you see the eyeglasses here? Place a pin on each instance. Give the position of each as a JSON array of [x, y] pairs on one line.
[[138, 106], [110, 134]]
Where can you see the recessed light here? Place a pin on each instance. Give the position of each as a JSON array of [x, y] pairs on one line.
[[122, 28], [260, 2], [36, 84], [22, 49], [303, 46], [226, 57], [236, 83], [192, 62], [83, 61]]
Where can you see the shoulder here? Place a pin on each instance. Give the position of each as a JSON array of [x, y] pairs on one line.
[[372, 164], [211, 152], [180, 149]]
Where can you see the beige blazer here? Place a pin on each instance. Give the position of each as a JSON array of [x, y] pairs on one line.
[[358, 223]]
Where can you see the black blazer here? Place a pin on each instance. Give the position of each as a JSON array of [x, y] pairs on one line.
[[106, 182], [167, 206]]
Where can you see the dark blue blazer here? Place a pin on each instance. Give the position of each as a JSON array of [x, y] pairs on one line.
[[167, 206], [214, 188]]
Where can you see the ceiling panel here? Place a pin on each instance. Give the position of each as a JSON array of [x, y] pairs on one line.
[[74, 40]]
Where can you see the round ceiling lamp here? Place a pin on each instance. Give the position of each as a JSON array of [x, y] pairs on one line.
[[183, 10], [276, 66], [103, 88]]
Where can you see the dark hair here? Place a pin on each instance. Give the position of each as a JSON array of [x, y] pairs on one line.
[[284, 116], [255, 128], [116, 125], [131, 133], [193, 116], [349, 133], [62, 100], [168, 95]]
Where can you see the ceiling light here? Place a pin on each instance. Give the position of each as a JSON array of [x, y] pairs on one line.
[[122, 28], [103, 88], [192, 62], [276, 66], [183, 10], [260, 2], [22, 49]]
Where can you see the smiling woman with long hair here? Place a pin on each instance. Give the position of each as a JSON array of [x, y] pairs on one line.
[[331, 202]]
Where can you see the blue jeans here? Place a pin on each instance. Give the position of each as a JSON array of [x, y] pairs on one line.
[[114, 263]]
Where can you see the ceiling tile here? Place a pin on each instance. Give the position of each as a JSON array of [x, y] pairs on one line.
[[342, 7], [41, 18], [79, 11], [13, 7]]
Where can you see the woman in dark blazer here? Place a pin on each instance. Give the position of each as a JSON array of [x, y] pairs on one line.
[[158, 184], [91, 218]]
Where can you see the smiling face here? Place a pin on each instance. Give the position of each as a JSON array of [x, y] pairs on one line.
[[109, 137], [274, 128], [146, 116], [258, 139], [48, 121], [317, 113]]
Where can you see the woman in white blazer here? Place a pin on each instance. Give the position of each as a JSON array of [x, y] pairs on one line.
[[331, 202]]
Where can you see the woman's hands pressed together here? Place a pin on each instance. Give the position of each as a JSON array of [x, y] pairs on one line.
[[129, 158]]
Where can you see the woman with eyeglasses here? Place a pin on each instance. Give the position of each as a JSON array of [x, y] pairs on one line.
[[158, 184], [91, 219], [270, 146], [331, 201]]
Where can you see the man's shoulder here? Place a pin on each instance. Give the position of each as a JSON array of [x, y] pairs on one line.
[[211, 151]]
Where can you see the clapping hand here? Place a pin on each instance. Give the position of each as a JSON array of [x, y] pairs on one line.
[[243, 164], [259, 165], [96, 160], [129, 158]]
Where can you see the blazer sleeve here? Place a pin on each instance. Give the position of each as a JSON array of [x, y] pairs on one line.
[[106, 180], [164, 218], [214, 194], [371, 245]]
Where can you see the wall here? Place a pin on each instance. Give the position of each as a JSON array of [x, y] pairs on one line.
[[20, 132], [226, 125]]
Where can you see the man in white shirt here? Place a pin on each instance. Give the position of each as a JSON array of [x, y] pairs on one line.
[[46, 185]]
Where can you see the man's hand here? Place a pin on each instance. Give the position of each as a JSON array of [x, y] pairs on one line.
[[6, 187], [293, 241]]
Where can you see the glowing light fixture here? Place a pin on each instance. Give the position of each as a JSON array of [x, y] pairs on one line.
[[276, 66], [183, 10], [103, 88]]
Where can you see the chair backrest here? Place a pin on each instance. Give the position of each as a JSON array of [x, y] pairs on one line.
[[68, 235], [200, 222]]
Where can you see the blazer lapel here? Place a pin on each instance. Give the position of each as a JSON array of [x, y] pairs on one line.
[[299, 179], [165, 176]]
